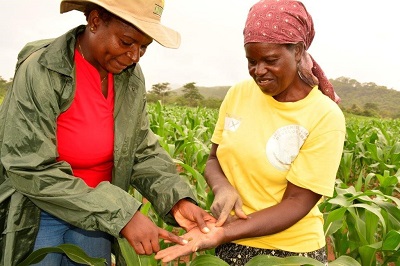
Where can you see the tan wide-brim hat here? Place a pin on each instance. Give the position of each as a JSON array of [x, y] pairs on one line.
[[143, 14]]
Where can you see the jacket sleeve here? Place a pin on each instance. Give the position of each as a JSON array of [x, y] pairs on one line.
[[155, 174], [29, 153]]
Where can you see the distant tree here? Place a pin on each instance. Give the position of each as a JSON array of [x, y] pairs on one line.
[[211, 103], [161, 90], [371, 110], [369, 113], [371, 106], [345, 80], [4, 86], [191, 94], [369, 85], [355, 109], [3, 82]]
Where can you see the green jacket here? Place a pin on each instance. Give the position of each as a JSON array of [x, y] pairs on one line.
[[30, 177]]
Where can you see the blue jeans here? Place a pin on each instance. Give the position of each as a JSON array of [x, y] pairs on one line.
[[54, 232]]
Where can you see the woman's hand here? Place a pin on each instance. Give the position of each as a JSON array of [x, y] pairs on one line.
[[144, 235], [189, 216], [226, 196], [227, 199], [197, 241]]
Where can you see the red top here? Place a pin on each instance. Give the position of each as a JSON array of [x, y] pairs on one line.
[[85, 132]]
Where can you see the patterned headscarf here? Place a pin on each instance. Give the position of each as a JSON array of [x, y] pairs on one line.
[[287, 21]]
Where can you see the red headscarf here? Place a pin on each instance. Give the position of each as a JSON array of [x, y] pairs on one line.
[[287, 21]]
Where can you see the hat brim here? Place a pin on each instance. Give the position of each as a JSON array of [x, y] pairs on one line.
[[165, 36]]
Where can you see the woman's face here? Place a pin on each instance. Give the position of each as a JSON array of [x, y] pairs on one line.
[[274, 68], [118, 45]]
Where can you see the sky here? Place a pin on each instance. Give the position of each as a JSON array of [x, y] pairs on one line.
[[358, 39]]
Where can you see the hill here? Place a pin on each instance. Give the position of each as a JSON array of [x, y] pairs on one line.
[[365, 97]]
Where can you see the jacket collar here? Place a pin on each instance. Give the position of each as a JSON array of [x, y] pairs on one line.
[[64, 46]]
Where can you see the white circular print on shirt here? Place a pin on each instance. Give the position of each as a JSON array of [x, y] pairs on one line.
[[284, 145]]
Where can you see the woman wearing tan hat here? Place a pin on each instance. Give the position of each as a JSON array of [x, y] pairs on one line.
[[75, 137], [276, 146]]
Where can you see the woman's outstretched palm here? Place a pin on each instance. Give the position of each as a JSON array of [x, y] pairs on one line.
[[197, 241]]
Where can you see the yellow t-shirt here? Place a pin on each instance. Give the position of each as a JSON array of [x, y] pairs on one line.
[[264, 143]]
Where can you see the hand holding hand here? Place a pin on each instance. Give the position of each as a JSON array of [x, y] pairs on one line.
[[189, 216], [144, 235]]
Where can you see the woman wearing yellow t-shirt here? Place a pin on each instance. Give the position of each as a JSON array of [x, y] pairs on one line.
[[276, 146]]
